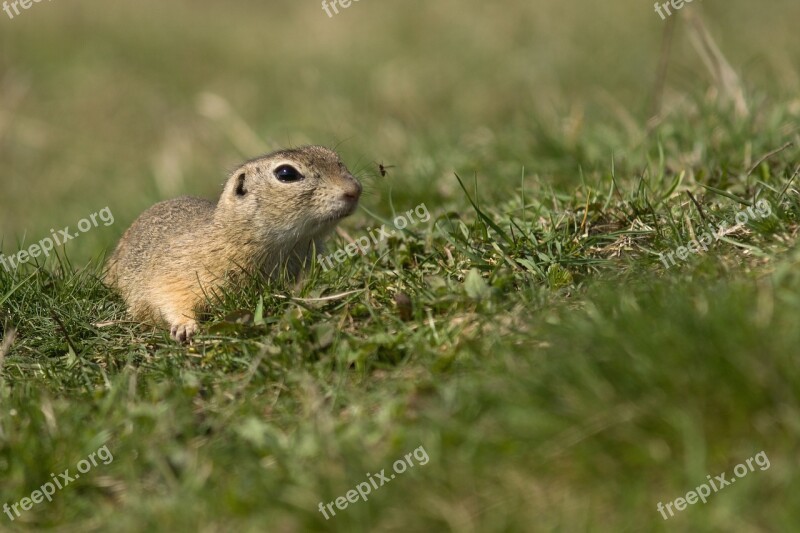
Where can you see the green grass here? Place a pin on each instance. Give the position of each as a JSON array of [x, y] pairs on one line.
[[556, 374]]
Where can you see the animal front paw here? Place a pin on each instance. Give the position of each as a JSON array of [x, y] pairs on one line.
[[184, 331]]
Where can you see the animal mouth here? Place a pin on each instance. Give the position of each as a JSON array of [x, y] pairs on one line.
[[343, 212]]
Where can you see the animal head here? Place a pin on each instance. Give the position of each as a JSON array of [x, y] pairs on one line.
[[298, 193]]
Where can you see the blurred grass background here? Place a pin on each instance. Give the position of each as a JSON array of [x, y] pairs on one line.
[[124, 106]]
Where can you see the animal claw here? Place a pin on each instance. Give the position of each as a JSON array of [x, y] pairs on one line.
[[184, 332]]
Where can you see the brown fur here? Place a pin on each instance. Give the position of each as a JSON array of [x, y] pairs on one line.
[[180, 252]]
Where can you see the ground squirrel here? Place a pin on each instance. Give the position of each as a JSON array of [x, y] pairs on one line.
[[273, 214]]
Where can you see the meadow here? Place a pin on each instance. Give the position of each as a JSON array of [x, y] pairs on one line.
[[527, 354]]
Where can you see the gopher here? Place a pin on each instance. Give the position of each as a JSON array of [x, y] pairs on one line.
[[273, 214]]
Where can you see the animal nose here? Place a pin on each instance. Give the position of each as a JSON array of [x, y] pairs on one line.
[[352, 190]]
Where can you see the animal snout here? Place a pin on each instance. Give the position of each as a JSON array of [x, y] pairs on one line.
[[351, 190]]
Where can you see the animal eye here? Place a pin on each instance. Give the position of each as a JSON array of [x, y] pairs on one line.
[[287, 174]]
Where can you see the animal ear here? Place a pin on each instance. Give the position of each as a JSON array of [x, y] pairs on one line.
[[240, 189]]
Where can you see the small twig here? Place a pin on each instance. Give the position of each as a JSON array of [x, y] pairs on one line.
[[726, 79], [323, 299], [699, 209], [663, 66], [770, 154], [796, 172], [64, 332], [344, 235], [112, 323], [585, 214]]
